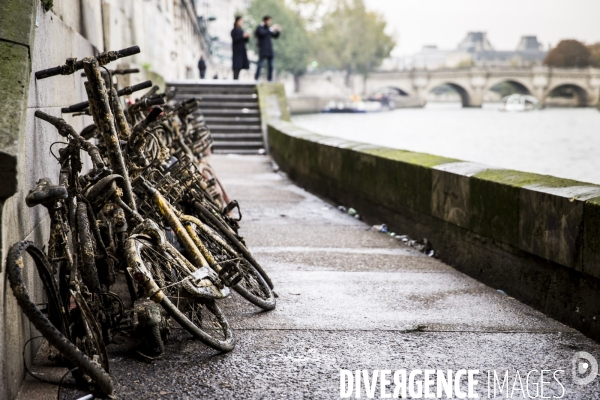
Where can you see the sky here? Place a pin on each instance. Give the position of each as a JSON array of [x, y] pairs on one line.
[[446, 22]]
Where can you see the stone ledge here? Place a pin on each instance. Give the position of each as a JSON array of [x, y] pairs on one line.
[[477, 216]]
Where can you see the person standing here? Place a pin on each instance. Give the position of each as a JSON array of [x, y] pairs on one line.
[[264, 33], [239, 38], [202, 67]]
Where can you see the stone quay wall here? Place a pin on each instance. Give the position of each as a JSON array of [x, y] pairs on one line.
[[535, 237]]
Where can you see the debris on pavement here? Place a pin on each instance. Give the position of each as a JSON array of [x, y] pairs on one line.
[[423, 245]]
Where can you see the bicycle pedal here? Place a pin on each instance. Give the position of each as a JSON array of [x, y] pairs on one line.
[[230, 274]]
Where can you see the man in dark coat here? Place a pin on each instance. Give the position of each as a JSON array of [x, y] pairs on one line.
[[202, 67], [264, 33], [239, 38]]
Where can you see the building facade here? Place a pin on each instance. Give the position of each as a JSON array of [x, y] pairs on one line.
[[475, 50], [216, 18]]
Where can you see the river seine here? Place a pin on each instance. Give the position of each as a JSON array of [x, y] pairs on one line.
[[563, 142]]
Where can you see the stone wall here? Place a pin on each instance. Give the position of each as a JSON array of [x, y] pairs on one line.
[[273, 105], [33, 38], [535, 237]]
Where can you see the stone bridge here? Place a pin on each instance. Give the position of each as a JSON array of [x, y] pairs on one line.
[[472, 83]]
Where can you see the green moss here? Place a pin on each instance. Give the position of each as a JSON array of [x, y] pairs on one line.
[[421, 159], [521, 179], [265, 91], [16, 20], [14, 82], [494, 202], [372, 173]]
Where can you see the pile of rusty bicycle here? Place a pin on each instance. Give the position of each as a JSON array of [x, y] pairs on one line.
[[142, 242]]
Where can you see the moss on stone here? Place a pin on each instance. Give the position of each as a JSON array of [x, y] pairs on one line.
[[14, 82], [16, 20], [496, 203], [421, 159], [521, 179], [494, 207], [372, 173], [266, 90]]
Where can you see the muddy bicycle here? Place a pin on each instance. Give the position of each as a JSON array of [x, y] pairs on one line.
[[72, 280], [193, 288]]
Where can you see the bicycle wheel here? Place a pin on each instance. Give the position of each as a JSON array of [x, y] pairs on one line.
[[56, 332], [86, 251], [217, 223], [214, 187], [252, 286], [183, 295]]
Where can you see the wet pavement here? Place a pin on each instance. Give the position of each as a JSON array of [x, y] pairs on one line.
[[349, 298]]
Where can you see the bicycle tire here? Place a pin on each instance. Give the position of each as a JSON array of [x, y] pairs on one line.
[[185, 312], [215, 189], [205, 215], [87, 266], [252, 286], [55, 337]]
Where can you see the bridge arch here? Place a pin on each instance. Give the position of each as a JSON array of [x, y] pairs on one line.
[[580, 93], [521, 86], [398, 90], [391, 88], [465, 95]]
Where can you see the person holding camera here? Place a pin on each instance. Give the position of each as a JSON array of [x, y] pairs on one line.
[[264, 34], [239, 38]]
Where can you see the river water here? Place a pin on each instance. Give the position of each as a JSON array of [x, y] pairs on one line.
[[563, 142]]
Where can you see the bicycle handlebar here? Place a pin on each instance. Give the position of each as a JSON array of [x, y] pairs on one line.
[[123, 92], [120, 71], [130, 89], [153, 114], [147, 103], [129, 51], [64, 129], [125, 71], [139, 128], [73, 65], [150, 92]]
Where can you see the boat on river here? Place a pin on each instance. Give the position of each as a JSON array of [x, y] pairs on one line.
[[356, 104], [519, 102], [353, 107]]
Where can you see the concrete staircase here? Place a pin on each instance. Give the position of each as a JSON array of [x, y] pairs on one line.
[[231, 111]]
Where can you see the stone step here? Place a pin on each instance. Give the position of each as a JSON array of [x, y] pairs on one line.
[[234, 128], [234, 136], [239, 151], [233, 121], [238, 144], [204, 105], [230, 113], [225, 98], [215, 89]]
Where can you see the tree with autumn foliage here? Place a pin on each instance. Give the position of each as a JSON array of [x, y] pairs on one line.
[[569, 54], [595, 50]]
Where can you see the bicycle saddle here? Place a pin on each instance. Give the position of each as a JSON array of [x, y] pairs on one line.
[[103, 190], [45, 193]]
